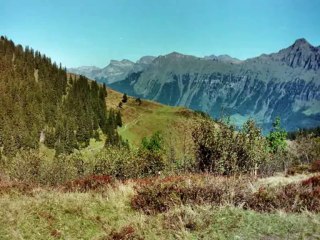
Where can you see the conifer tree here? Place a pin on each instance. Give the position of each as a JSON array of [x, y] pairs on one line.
[[124, 98], [118, 119]]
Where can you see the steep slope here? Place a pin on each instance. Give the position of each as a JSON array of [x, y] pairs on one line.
[[285, 84]]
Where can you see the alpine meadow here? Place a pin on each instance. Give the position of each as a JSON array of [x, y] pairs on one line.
[[164, 120]]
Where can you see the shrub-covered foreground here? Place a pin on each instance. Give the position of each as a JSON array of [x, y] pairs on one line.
[[49, 213], [160, 195], [32, 167]]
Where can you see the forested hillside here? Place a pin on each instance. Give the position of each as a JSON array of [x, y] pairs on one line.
[[41, 103]]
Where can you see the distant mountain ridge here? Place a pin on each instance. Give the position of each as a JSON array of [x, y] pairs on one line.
[[223, 58], [115, 71], [285, 84]]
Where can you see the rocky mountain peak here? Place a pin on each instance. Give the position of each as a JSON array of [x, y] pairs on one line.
[[175, 54], [300, 54], [146, 60], [301, 41]]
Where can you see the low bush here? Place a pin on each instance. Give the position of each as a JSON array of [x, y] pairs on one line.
[[220, 149], [125, 233], [304, 168], [315, 166], [188, 218], [299, 169], [9, 186], [31, 167], [125, 163], [307, 148], [314, 182], [294, 197], [93, 182], [160, 196]]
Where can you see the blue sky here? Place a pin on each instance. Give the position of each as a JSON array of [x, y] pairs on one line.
[[89, 32]]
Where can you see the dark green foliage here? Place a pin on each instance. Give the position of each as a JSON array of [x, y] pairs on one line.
[[154, 143], [118, 119], [124, 98], [277, 137], [315, 132], [38, 96], [138, 101], [152, 150], [113, 121]]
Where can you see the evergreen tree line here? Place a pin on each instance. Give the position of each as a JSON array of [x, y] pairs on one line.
[[38, 98], [315, 132]]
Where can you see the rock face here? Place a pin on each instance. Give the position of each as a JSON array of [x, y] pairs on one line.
[[300, 54], [285, 84], [115, 71]]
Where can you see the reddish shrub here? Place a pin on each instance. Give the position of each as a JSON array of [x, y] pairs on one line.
[[125, 233], [291, 198], [16, 186], [56, 233], [313, 181], [163, 194], [92, 182], [315, 166], [262, 200], [299, 169]]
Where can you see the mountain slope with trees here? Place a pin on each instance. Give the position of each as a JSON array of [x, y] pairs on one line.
[[41, 103]]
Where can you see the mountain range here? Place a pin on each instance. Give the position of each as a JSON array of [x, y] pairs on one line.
[[285, 84], [115, 71]]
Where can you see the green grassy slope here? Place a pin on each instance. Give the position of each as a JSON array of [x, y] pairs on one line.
[[139, 121], [174, 123]]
